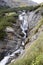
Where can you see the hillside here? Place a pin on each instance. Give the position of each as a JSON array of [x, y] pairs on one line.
[[17, 3]]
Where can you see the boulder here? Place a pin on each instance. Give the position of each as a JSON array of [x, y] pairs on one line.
[[9, 29]]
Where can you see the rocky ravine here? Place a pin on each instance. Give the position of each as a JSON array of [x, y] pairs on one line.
[[15, 36]]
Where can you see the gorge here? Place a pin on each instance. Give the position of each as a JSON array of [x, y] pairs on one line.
[[17, 33]]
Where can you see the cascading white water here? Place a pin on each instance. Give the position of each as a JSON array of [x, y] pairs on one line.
[[5, 60], [24, 26]]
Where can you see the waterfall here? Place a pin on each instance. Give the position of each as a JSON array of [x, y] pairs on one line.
[[5, 60], [24, 27]]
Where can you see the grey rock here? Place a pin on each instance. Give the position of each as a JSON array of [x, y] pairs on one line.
[[17, 3]]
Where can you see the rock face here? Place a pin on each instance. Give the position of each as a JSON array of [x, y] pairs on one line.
[[33, 18], [17, 3], [2, 3]]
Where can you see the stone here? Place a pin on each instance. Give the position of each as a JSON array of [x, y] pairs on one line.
[[9, 29]]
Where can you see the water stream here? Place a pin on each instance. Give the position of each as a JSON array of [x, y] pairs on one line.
[[24, 27]]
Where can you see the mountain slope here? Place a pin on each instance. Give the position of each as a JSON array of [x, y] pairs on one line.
[[17, 3]]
